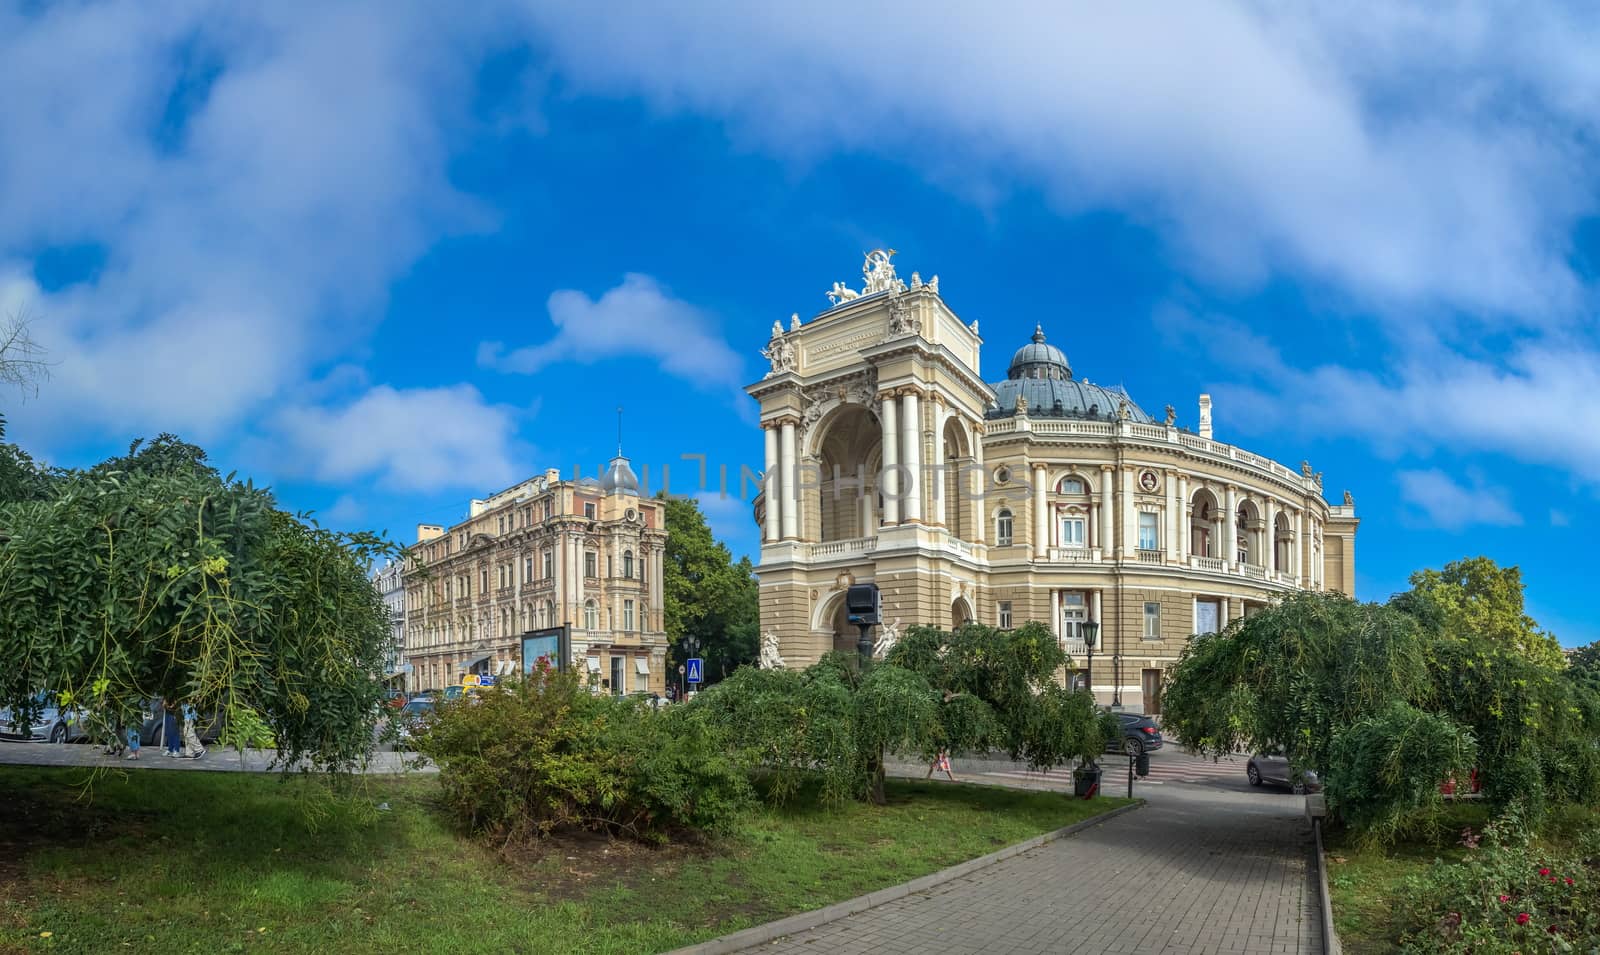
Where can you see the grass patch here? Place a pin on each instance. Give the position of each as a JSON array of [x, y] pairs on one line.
[[220, 862]]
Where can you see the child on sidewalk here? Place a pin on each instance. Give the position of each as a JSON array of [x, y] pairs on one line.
[[133, 742]]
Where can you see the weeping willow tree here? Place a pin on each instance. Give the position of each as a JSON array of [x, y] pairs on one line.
[[152, 576]]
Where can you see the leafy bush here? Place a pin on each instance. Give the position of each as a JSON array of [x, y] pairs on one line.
[[544, 753], [1384, 772], [1508, 894], [790, 726]]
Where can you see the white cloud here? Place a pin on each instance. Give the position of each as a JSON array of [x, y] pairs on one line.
[[1404, 159], [423, 439], [1449, 505], [637, 318], [1559, 518], [252, 179], [348, 509]]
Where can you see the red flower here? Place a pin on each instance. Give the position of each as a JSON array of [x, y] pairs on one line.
[[1522, 918], [1554, 930], [1552, 880], [1505, 898], [1569, 880], [1544, 871]]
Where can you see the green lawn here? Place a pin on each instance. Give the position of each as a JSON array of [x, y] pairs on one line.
[[212, 862]]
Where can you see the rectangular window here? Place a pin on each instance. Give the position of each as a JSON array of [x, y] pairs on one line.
[[1149, 533], [1005, 615], [527, 569], [1207, 616], [484, 576], [1072, 532], [627, 615], [1074, 613], [619, 676], [588, 509], [549, 565], [547, 505], [590, 562], [1152, 620], [1002, 528], [502, 524]]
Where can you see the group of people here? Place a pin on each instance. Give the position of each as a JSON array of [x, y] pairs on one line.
[[180, 736]]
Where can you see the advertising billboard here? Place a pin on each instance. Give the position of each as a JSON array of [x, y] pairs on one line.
[[552, 644]]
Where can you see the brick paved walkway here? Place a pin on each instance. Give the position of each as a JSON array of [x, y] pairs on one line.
[[1200, 870]]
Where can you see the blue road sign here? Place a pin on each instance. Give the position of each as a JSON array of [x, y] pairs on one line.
[[693, 673]]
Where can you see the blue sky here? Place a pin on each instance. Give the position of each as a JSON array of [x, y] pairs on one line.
[[388, 258]]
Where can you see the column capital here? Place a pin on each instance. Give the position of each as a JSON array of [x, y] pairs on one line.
[[1108, 468], [782, 420], [1038, 465]]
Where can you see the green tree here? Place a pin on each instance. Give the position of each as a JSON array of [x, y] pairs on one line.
[[1476, 596], [707, 595], [153, 576]]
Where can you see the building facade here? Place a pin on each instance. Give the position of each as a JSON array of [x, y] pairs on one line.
[[1040, 497], [587, 554], [388, 581]]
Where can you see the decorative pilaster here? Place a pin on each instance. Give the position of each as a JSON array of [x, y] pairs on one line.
[[1174, 515], [1107, 521], [791, 479], [1041, 532], [1129, 517], [1231, 541], [936, 475]]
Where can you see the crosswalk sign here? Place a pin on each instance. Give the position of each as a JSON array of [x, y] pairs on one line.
[[693, 674]]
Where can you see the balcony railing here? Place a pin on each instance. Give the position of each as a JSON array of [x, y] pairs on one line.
[[1209, 563], [1056, 427], [840, 548], [1074, 555], [1151, 557]]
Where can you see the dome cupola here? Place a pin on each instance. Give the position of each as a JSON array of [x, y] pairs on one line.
[[1039, 360]]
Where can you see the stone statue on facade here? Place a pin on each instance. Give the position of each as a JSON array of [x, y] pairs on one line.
[[888, 636], [902, 320], [878, 272], [1305, 468], [974, 326], [1348, 500], [777, 329], [916, 280], [1172, 416], [780, 352], [794, 322], [933, 286], [1123, 409], [770, 658], [841, 293]]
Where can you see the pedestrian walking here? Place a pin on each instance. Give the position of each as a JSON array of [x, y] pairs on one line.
[[942, 764], [133, 742], [170, 739], [191, 733]]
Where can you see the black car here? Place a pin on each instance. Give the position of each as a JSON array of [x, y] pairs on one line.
[[1139, 734]]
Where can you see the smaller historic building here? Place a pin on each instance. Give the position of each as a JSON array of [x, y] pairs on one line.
[[388, 581], [585, 554]]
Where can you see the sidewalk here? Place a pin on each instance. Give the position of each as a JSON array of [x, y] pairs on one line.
[[216, 759]]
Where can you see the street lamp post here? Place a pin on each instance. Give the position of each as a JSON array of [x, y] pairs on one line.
[[1091, 636]]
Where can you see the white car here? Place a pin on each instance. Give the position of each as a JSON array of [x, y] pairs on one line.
[[51, 724]]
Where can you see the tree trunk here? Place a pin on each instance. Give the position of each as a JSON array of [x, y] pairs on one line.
[[875, 772]]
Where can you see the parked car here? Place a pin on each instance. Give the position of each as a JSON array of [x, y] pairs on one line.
[[52, 723], [1275, 769], [411, 719], [1139, 734]]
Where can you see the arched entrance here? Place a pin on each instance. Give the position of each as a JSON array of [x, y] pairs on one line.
[[847, 456], [961, 613]]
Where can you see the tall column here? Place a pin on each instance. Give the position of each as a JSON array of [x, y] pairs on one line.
[[1041, 526], [791, 477], [1173, 507], [911, 425], [1094, 614], [1055, 614], [936, 472], [1184, 547], [869, 525], [770, 530], [1295, 527], [1108, 523], [979, 488], [1130, 519], [1270, 535], [891, 459], [1231, 525]]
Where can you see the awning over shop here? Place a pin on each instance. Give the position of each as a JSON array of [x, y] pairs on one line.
[[641, 666], [469, 664], [594, 664]]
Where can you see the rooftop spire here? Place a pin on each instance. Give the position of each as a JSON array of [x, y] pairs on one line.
[[1038, 334], [619, 431]]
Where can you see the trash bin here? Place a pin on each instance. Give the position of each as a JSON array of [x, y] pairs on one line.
[[1086, 781]]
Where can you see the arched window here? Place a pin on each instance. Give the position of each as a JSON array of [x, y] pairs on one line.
[[591, 616], [1002, 527], [627, 564], [549, 613], [1071, 485]]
